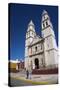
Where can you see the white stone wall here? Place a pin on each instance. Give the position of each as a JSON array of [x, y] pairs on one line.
[[54, 43], [51, 58], [26, 62], [48, 31], [26, 51], [39, 57], [56, 57], [39, 48], [50, 43]]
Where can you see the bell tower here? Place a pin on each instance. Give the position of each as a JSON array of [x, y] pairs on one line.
[[50, 46], [30, 34]]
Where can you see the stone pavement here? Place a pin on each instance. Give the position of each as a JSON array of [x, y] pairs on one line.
[[17, 82], [50, 78]]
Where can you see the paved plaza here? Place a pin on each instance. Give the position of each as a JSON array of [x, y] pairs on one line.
[[35, 79]]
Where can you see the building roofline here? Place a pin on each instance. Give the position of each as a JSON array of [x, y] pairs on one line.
[[14, 61]]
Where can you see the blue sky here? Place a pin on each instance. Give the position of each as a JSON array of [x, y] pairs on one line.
[[19, 17]]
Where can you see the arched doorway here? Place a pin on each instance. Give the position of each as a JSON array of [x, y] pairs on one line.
[[36, 63]]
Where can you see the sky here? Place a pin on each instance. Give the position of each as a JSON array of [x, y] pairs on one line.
[[19, 18]]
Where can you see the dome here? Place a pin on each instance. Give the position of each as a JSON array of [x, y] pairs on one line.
[[44, 12], [31, 26], [31, 23]]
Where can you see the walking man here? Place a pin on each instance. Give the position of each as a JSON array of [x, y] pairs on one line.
[[27, 74]]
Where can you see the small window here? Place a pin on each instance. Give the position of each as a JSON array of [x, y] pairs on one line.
[[44, 17], [46, 23], [29, 33], [47, 42], [41, 46], [43, 25], [35, 48]]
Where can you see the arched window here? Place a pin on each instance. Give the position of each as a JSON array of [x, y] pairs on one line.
[[36, 48], [43, 25], [46, 23], [44, 17]]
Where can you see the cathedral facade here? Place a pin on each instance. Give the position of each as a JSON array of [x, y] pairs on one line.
[[41, 51]]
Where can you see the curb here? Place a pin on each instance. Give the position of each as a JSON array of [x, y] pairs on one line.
[[30, 81]]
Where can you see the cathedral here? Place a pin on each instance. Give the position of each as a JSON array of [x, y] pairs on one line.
[[41, 51]]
